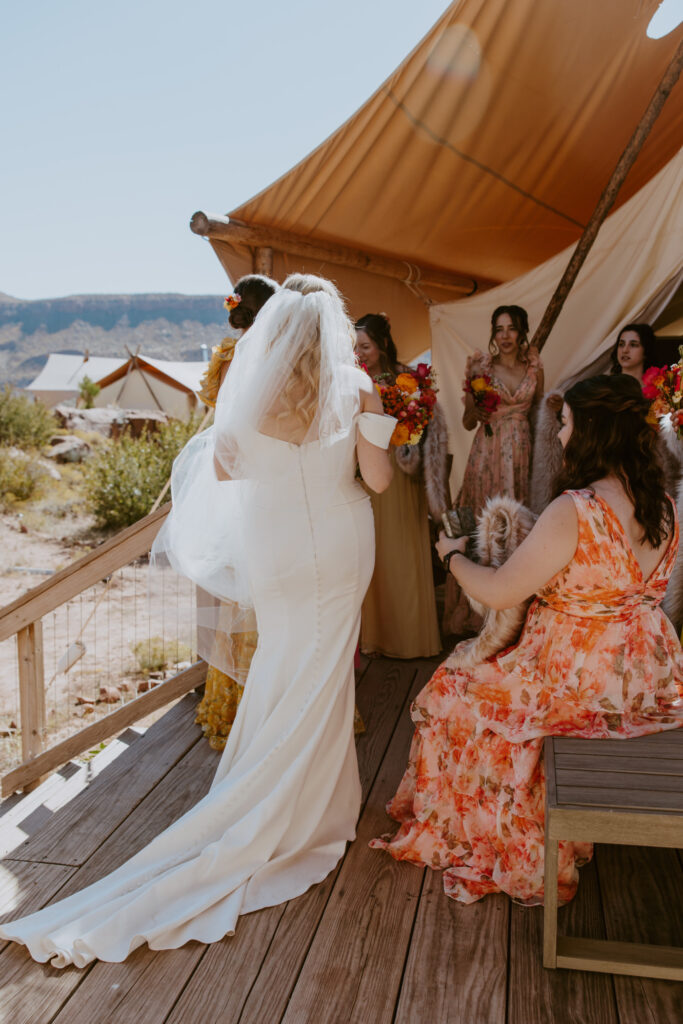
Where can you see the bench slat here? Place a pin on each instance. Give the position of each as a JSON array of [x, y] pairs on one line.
[[588, 796], [660, 744], [615, 763], [624, 782]]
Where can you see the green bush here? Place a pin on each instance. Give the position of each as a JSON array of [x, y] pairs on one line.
[[23, 422], [156, 653], [124, 478], [18, 478], [88, 390]]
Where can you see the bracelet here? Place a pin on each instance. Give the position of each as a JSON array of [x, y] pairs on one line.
[[446, 560]]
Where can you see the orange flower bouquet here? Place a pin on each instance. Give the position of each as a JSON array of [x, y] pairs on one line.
[[662, 387], [484, 394], [411, 399]]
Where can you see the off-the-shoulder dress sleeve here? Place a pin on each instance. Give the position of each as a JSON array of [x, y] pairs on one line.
[[376, 429]]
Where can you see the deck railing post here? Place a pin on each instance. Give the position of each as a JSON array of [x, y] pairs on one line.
[[31, 689]]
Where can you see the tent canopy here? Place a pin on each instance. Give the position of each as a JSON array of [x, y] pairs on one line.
[[142, 382], [482, 156]]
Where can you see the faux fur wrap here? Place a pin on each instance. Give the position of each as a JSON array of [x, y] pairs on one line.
[[501, 527], [431, 458]]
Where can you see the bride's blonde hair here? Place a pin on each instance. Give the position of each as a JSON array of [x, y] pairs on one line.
[[299, 395]]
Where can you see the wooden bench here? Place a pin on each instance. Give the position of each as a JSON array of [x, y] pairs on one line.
[[611, 791]]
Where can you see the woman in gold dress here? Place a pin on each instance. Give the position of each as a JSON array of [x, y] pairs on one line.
[[399, 617], [218, 707]]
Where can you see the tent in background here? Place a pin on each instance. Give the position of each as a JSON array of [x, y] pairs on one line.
[[59, 379], [145, 383], [480, 158]]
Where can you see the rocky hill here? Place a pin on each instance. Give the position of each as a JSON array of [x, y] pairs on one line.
[[164, 326]]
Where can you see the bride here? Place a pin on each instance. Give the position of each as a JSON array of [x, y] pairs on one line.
[[269, 520]]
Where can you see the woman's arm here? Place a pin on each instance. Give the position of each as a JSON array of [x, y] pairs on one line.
[[375, 464], [542, 554]]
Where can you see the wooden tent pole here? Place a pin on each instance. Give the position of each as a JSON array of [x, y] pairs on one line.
[[606, 201], [262, 260]]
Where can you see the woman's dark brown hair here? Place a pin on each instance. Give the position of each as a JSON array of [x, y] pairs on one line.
[[376, 326], [254, 291], [648, 340], [520, 322], [612, 437]]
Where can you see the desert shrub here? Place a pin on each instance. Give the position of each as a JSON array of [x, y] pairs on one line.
[[155, 653], [18, 478], [88, 391], [124, 478], [24, 423]]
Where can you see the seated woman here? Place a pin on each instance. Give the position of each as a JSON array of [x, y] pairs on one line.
[[596, 658]]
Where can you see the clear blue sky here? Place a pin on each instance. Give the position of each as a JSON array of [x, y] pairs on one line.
[[121, 119]]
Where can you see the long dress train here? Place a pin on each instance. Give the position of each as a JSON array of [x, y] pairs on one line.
[[286, 794]]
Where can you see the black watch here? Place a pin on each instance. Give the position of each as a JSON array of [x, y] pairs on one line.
[[446, 560]]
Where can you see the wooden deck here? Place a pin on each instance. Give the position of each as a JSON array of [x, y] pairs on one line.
[[377, 942]]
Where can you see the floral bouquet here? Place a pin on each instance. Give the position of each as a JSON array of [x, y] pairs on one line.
[[411, 399], [484, 394], [662, 387]]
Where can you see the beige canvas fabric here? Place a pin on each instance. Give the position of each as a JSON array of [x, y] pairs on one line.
[[484, 153], [632, 270]]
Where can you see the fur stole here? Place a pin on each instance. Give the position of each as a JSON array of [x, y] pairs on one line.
[[430, 457], [501, 526], [547, 453]]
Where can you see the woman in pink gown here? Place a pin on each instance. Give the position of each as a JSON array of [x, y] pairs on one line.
[[500, 458], [596, 658]]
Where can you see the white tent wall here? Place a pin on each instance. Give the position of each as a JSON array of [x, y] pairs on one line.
[[142, 391], [631, 272]]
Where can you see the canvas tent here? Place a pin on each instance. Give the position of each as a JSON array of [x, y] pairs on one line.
[[59, 379], [480, 158], [142, 382]]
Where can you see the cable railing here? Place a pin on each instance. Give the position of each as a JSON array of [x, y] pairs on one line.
[[87, 640]]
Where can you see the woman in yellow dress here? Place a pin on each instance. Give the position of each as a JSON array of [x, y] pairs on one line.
[[218, 707], [399, 618]]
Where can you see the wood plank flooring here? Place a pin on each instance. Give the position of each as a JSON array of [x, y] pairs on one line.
[[376, 942]]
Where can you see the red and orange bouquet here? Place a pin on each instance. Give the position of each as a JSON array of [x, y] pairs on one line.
[[662, 387], [484, 394], [411, 399]]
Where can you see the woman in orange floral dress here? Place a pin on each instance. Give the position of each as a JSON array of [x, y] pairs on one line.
[[596, 658]]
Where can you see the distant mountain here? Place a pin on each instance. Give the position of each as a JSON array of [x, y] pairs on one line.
[[164, 326]]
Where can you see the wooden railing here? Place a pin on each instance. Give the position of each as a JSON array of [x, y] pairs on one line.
[[23, 618]]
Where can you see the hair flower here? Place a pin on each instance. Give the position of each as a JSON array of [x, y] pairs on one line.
[[232, 302]]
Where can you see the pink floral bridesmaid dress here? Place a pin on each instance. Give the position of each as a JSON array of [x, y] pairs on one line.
[[597, 658], [497, 464]]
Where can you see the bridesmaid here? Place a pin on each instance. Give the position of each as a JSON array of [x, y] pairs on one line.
[[500, 458], [634, 351], [222, 694], [597, 658], [399, 616]]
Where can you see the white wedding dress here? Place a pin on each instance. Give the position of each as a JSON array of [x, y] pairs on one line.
[[286, 795]]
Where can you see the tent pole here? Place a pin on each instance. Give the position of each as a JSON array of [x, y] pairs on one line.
[[262, 260], [606, 201]]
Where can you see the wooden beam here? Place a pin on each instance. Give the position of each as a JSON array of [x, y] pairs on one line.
[[262, 260], [31, 689], [107, 727], [256, 235], [606, 201], [130, 543]]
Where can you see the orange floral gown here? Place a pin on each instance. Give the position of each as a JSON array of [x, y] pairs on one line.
[[596, 658]]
